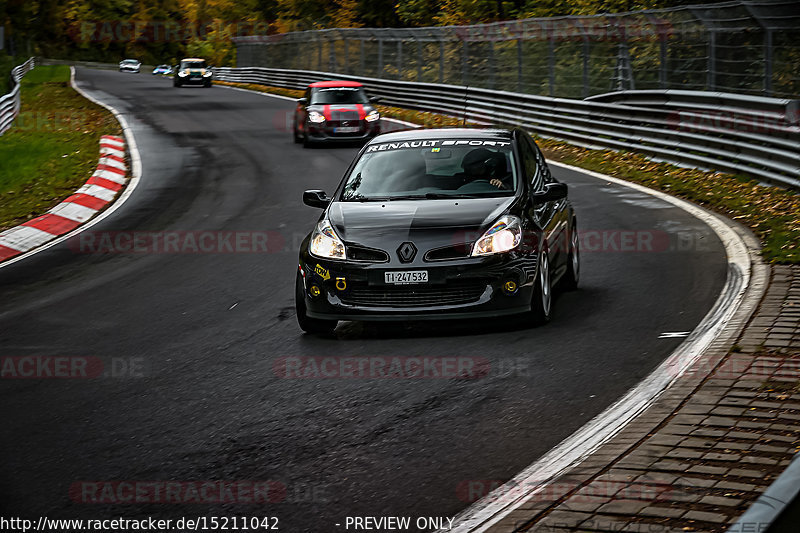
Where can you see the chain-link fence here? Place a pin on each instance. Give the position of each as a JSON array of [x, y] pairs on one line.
[[739, 46]]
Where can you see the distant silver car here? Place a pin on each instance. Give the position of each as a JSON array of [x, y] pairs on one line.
[[130, 65], [165, 70]]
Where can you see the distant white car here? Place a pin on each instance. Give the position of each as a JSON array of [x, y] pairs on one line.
[[130, 65]]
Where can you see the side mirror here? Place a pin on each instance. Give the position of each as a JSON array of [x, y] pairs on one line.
[[302, 101], [551, 192], [374, 99], [316, 198]]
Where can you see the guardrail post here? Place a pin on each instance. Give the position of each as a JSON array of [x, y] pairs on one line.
[[331, 56], [491, 65], [319, 54], [400, 59], [662, 67], [441, 61], [361, 60], [585, 65], [712, 63], [551, 63], [419, 60], [380, 58], [346, 61], [767, 62], [464, 65], [520, 83]]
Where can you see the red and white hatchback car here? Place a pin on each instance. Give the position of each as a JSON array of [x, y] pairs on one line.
[[335, 111]]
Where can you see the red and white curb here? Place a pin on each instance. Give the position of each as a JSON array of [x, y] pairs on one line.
[[108, 179]]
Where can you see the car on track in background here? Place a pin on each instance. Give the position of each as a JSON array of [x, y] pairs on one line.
[[438, 224], [193, 71], [335, 111], [130, 65], [164, 70]]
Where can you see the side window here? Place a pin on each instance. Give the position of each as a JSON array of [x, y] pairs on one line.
[[548, 178], [530, 160]]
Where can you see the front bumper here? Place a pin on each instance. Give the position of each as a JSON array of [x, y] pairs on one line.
[[194, 80], [327, 132], [462, 288]]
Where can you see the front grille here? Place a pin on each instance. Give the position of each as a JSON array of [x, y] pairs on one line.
[[456, 251], [362, 253], [453, 293], [344, 115]]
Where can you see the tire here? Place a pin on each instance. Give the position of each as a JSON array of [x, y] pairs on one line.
[[542, 298], [571, 277], [314, 326], [207, 84], [297, 138], [176, 84]]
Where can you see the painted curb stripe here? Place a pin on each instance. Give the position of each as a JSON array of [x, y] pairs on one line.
[[73, 211], [98, 192], [109, 168], [94, 190], [113, 161], [85, 203], [115, 158], [92, 202], [8, 253], [110, 176], [102, 182], [52, 224], [106, 151], [23, 238]]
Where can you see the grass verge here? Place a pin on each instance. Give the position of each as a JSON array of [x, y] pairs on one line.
[[772, 213], [53, 147]]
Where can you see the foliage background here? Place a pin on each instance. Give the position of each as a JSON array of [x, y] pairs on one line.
[[52, 28]]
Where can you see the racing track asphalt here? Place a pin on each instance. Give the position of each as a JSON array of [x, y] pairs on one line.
[[206, 329]]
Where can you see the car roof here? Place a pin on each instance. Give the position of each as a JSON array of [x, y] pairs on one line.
[[192, 59], [333, 83], [435, 133], [129, 60]]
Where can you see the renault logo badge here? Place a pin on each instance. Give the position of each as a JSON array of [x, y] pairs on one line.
[[407, 252]]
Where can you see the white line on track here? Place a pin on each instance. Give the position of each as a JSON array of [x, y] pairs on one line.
[[490, 510], [136, 174]]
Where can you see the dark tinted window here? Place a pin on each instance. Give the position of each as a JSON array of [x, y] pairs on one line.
[[193, 64], [432, 168], [530, 161], [338, 95]]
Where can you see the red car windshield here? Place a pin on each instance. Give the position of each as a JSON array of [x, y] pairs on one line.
[[338, 95]]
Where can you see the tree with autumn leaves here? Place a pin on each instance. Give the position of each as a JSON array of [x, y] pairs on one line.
[[157, 31]]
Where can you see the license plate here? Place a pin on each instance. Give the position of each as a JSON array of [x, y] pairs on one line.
[[346, 129], [405, 277]]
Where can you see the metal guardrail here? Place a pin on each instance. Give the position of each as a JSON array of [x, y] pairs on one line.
[[738, 134], [741, 46], [10, 103]]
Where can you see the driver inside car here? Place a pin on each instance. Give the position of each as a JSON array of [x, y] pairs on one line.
[[483, 164]]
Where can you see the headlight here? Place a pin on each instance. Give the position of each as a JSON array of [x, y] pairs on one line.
[[325, 242], [313, 116], [207, 73], [503, 236], [183, 73], [372, 116]]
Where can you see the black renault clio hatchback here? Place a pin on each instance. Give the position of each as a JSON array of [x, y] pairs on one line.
[[438, 224]]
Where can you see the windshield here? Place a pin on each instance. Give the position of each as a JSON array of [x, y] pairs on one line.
[[433, 168], [338, 95], [193, 64], [130, 61]]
